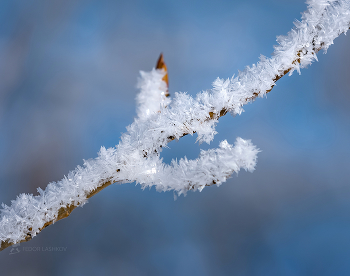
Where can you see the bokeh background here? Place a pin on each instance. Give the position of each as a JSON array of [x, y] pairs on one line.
[[68, 71]]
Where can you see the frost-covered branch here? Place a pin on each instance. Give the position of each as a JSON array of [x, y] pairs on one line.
[[136, 157]]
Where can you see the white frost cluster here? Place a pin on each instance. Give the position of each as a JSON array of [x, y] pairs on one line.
[[136, 157], [213, 166], [152, 93]]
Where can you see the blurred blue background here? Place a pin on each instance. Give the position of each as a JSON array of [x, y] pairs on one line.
[[68, 71]]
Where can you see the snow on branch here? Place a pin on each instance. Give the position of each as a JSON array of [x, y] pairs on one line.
[[161, 120]]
